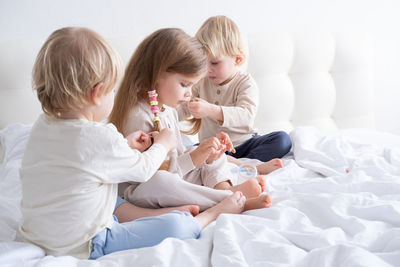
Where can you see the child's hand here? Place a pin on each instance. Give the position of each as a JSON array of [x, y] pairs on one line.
[[166, 137], [199, 108], [225, 140], [139, 140], [214, 156], [226, 145], [209, 148]]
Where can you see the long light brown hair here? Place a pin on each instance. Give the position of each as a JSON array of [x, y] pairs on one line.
[[166, 50]]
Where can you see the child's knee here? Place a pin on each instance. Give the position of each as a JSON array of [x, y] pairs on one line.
[[165, 178], [285, 142], [181, 225]]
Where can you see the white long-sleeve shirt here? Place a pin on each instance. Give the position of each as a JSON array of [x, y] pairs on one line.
[[70, 174], [238, 99]]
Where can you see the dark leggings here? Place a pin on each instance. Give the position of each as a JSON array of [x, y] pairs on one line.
[[264, 147]]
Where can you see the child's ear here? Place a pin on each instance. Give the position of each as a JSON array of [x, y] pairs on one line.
[[239, 60], [95, 94]]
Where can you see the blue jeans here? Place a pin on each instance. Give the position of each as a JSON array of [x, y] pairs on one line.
[[144, 232], [264, 147]]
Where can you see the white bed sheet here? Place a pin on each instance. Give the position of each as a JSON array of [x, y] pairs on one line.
[[336, 203]]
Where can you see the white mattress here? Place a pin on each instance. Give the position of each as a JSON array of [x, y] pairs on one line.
[[335, 203]]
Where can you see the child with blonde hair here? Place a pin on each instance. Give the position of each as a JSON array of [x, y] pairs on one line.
[[227, 99], [73, 162], [170, 62]]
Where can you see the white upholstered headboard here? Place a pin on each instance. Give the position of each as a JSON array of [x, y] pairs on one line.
[[324, 80], [319, 79]]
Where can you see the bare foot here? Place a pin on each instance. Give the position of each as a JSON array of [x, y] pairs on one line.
[[232, 204], [261, 182], [260, 202], [192, 209], [269, 166], [251, 188]]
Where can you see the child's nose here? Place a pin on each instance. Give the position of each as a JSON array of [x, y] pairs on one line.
[[188, 94]]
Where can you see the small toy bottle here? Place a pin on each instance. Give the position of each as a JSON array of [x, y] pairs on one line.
[[247, 171]]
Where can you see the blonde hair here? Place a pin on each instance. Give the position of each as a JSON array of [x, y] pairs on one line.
[[220, 36], [69, 65], [166, 50]]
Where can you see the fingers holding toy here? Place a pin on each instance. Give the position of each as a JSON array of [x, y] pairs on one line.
[[139, 140], [146, 139], [153, 135], [206, 148], [217, 149], [224, 139], [215, 156], [166, 137], [215, 144], [198, 108]]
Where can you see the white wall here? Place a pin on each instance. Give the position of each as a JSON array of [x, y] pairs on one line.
[[28, 19]]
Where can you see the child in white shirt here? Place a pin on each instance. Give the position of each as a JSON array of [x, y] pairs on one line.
[[169, 61], [227, 99], [73, 162]]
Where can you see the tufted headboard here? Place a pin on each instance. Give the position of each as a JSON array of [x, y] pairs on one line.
[[319, 79], [324, 80]]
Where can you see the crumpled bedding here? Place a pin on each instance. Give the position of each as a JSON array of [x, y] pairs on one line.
[[335, 203]]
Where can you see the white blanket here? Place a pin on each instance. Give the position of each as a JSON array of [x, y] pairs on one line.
[[336, 203]]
